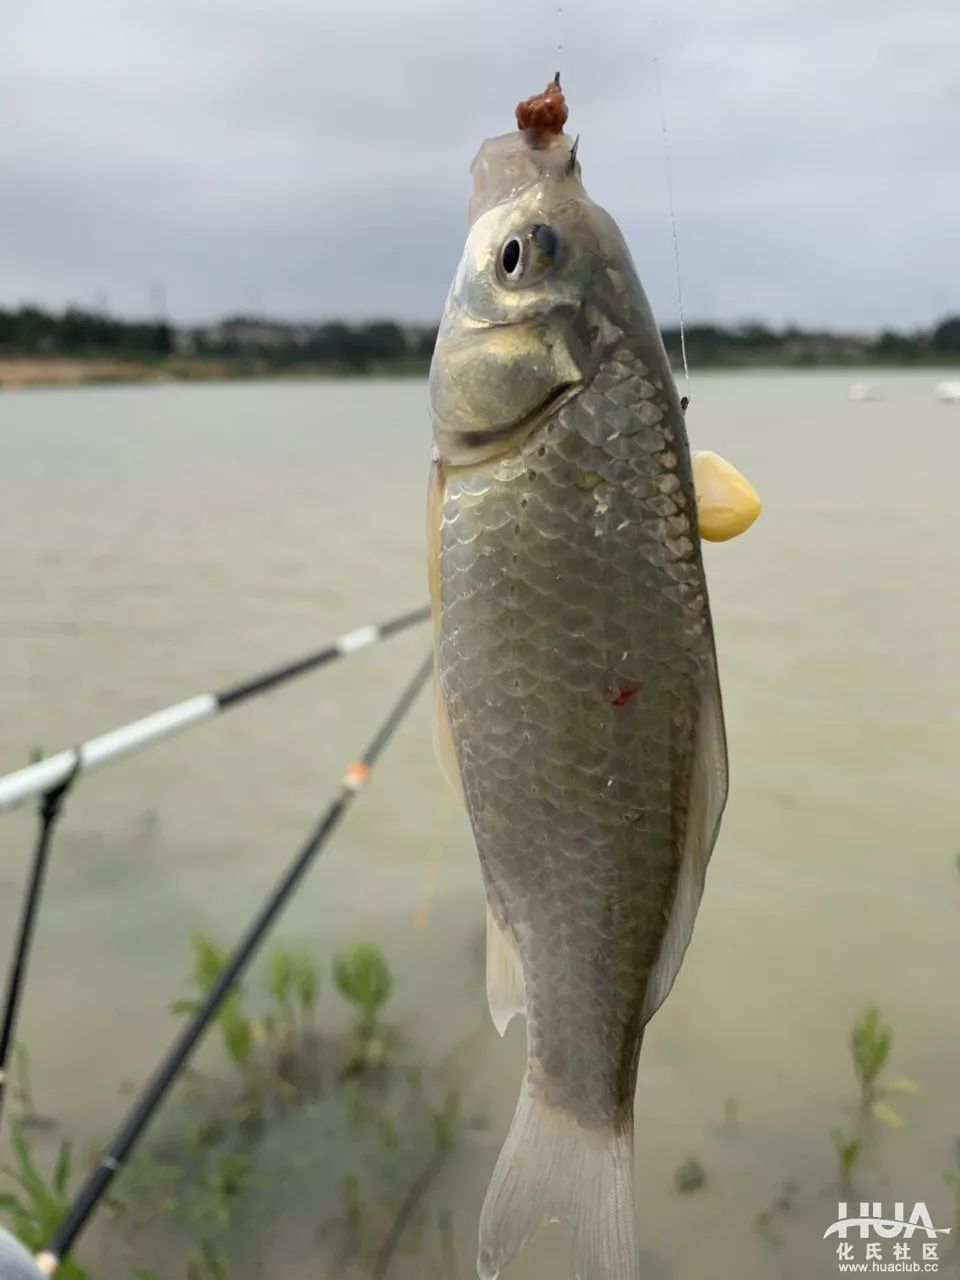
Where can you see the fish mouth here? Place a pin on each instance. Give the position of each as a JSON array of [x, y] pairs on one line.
[[482, 446]]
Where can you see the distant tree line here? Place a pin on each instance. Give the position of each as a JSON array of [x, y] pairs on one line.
[[34, 331], [755, 343], [335, 344]]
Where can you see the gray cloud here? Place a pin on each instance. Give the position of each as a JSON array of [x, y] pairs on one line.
[[310, 159]]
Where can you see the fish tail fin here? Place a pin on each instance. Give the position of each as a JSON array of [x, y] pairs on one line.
[[553, 1169]]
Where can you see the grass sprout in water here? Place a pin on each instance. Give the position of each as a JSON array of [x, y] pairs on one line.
[[870, 1043], [187, 1206], [848, 1148], [363, 977], [209, 962], [37, 1205]]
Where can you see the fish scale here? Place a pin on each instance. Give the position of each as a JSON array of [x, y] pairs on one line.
[[573, 798]]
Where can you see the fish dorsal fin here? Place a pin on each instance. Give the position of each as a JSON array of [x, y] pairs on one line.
[[707, 796], [505, 989]]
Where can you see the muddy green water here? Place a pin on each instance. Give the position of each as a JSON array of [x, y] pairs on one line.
[[156, 542]]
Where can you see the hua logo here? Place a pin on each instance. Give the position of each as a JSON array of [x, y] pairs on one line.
[[873, 1221]]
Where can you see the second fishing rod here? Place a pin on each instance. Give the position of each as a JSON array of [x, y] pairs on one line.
[[145, 1107]]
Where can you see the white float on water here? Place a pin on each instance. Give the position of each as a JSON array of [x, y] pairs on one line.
[[947, 391], [862, 391]]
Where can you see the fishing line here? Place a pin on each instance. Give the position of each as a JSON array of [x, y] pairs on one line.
[[668, 175], [435, 852], [145, 1107]]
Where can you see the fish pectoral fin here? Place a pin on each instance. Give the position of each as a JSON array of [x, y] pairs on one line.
[[727, 503], [446, 752], [554, 1169], [505, 987], [706, 798]]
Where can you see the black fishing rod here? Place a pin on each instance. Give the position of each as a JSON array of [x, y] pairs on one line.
[[49, 813], [40, 778], [144, 1109], [53, 777]]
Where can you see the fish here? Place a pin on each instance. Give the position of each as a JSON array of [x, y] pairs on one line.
[[577, 704]]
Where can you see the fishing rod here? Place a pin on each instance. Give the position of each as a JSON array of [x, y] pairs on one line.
[[145, 1107], [49, 813], [37, 779], [52, 778]]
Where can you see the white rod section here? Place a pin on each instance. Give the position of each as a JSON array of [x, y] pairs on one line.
[[46, 774]]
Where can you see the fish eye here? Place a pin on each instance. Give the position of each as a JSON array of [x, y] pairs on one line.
[[526, 255], [510, 256]]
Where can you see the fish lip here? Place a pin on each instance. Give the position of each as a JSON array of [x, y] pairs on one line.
[[513, 432]]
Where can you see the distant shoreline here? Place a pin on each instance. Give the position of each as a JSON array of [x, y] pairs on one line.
[[22, 372], [40, 348]]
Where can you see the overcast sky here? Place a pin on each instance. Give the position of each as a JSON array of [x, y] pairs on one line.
[[304, 158]]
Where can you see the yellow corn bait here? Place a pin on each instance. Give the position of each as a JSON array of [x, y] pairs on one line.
[[727, 502]]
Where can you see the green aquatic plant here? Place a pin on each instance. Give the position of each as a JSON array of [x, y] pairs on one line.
[[283, 1036], [293, 982], [870, 1043], [446, 1124], [216, 1182], [280, 968], [388, 1133], [849, 1148], [352, 1199], [446, 1121], [306, 982], [194, 1189], [363, 977], [206, 1263], [38, 1205], [236, 1028], [21, 1090]]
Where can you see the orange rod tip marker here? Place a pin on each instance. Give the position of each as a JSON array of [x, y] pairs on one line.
[[358, 773]]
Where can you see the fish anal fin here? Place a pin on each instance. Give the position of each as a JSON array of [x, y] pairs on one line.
[[553, 1169], [707, 796], [505, 988]]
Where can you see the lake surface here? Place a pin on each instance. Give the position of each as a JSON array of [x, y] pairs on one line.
[[157, 542]]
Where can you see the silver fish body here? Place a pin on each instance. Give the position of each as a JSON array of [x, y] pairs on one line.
[[576, 670]]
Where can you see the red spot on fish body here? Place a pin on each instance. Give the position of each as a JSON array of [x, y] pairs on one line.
[[620, 697]]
